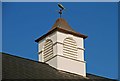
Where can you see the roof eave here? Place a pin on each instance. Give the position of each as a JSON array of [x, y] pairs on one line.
[[61, 30]]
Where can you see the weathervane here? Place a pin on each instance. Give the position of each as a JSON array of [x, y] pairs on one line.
[[61, 9]]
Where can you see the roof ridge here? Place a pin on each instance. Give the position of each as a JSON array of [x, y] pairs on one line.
[[23, 58]]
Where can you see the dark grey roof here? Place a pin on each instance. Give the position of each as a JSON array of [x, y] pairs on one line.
[[14, 67]]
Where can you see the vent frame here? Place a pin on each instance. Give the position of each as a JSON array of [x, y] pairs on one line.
[[70, 48], [48, 50]]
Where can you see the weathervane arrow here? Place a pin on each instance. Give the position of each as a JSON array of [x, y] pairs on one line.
[[61, 8]]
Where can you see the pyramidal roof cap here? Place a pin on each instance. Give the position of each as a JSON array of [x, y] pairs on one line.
[[61, 23], [62, 26]]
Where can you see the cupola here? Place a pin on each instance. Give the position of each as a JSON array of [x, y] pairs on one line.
[[63, 48]]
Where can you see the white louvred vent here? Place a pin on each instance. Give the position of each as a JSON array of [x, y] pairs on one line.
[[70, 48], [48, 50]]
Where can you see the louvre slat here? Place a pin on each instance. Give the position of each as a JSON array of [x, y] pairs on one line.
[[48, 50], [70, 43], [70, 48], [47, 56], [73, 50], [70, 51], [45, 49], [48, 44], [71, 56], [73, 53]]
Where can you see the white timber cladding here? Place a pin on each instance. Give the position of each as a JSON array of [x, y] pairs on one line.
[[64, 52], [48, 50], [70, 48], [79, 42]]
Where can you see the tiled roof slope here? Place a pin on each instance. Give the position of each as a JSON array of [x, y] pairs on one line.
[[14, 67]]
